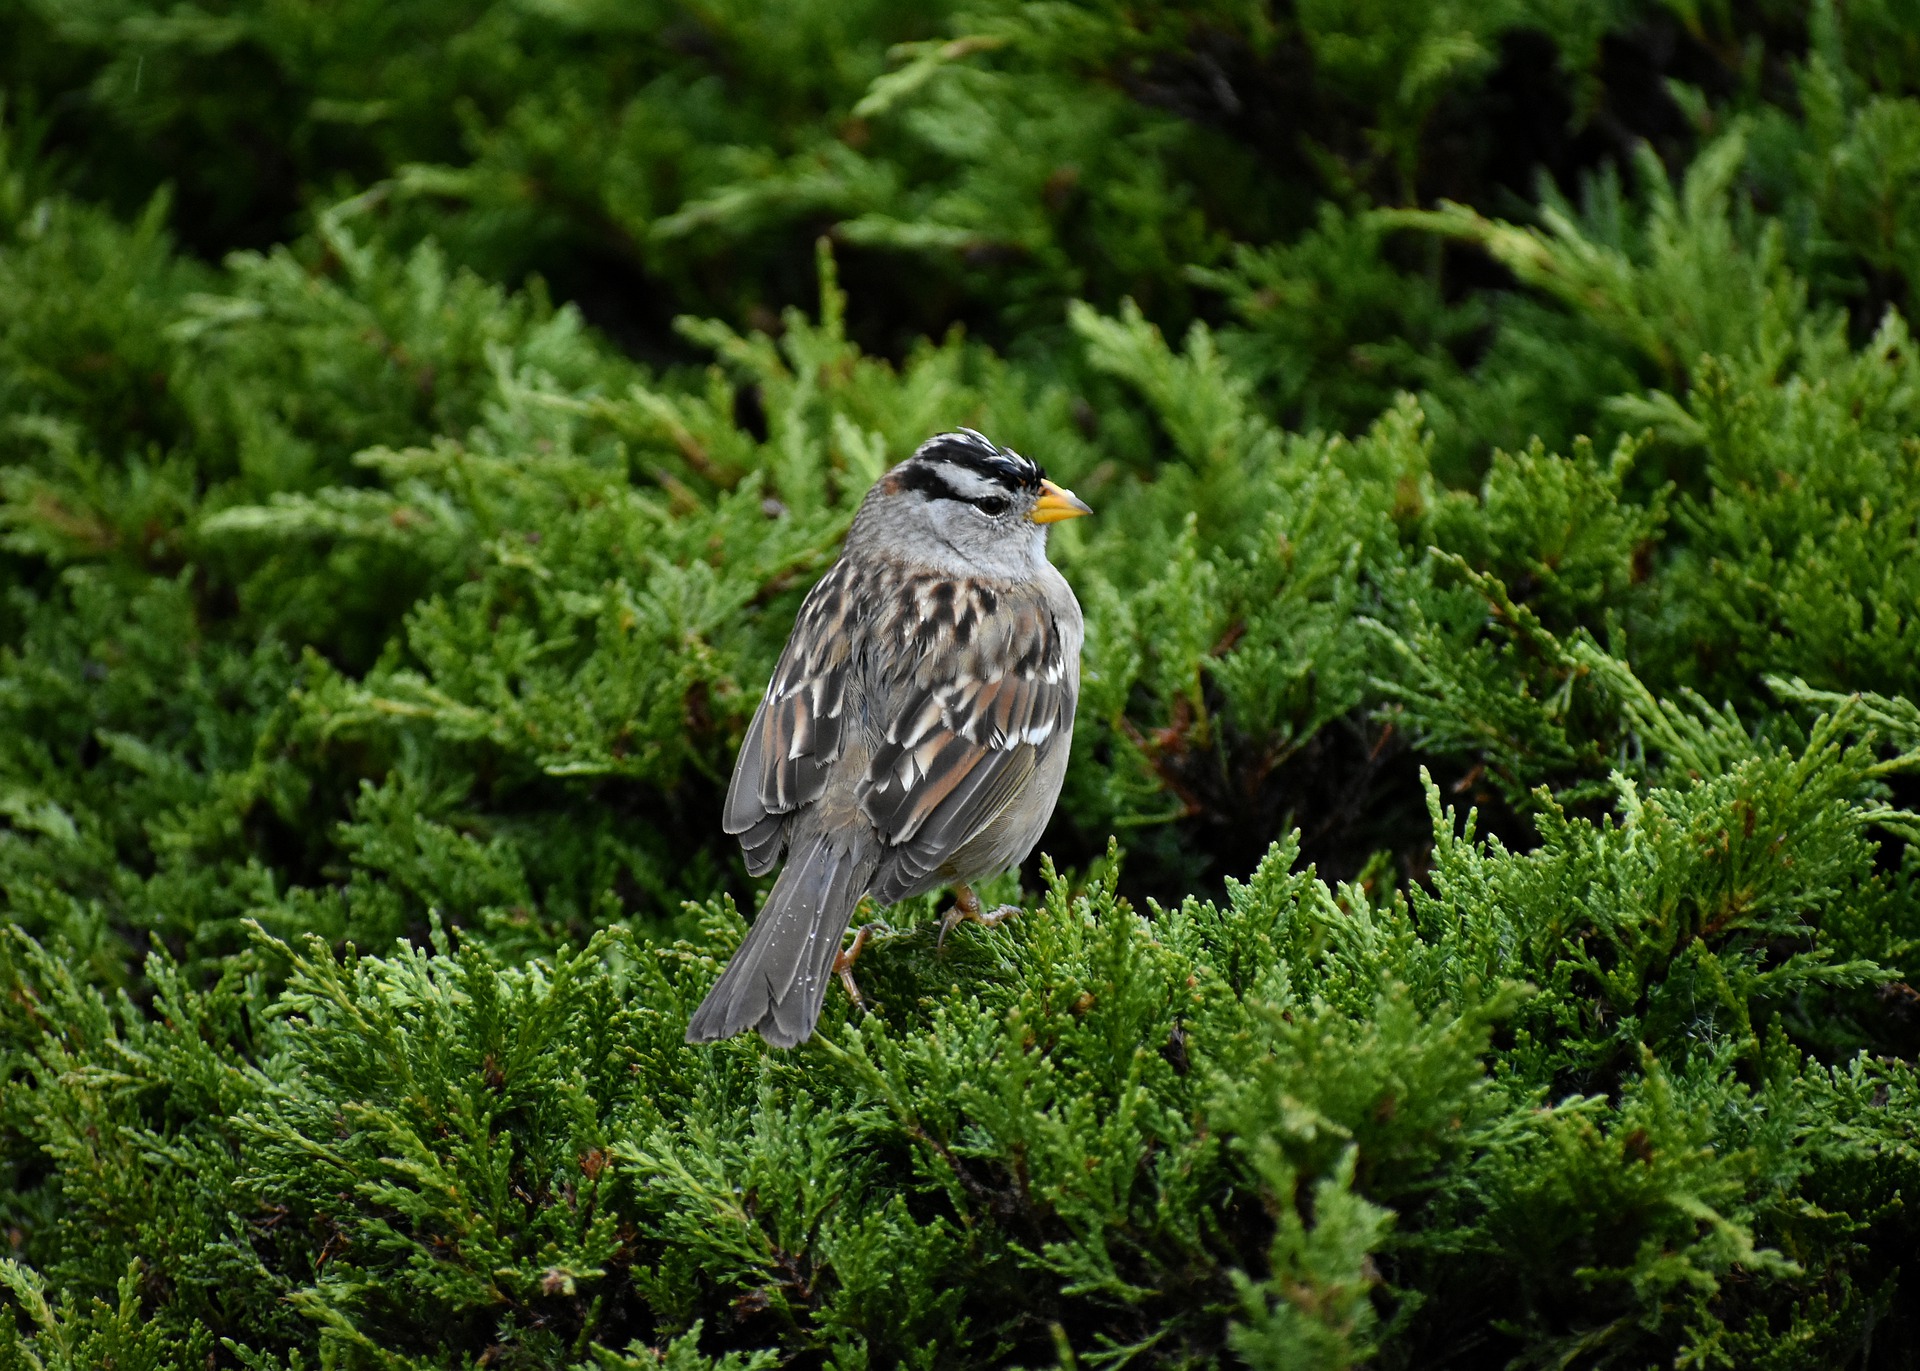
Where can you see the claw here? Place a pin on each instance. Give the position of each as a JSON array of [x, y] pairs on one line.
[[847, 956], [966, 905], [998, 915], [966, 909]]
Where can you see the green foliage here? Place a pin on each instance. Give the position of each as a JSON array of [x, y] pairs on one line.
[[419, 423]]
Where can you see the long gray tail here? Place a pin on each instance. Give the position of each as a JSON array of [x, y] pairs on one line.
[[777, 981]]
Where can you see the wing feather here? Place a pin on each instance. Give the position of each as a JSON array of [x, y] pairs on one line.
[[957, 716], [799, 729], [964, 731]]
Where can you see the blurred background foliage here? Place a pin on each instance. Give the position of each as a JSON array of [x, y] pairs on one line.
[[1481, 923]]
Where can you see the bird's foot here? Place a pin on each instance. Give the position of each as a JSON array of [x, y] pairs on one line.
[[843, 962], [966, 909]]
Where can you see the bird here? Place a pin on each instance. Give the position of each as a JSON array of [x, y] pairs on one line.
[[916, 729]]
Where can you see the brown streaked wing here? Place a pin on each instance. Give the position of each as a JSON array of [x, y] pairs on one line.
[[972, 712], [796, 733]]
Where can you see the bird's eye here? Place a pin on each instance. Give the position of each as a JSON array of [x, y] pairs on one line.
[[992, 506]]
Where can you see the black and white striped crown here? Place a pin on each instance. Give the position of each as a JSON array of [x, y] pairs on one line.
[[973, 452]]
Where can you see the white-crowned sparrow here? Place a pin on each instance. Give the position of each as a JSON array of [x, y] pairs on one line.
[[916, 729]]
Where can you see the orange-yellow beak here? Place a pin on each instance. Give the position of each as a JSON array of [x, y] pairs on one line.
[[1057, 503]]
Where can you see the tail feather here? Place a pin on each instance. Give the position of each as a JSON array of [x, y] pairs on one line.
[[777, 981]]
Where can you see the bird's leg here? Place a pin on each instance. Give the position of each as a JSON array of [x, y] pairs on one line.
[[844, 960], [966, 909]]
